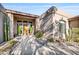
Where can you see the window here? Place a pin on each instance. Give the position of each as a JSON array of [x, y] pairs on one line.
[[62, 27]]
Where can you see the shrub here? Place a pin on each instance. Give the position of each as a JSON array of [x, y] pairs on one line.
[[69, 37], [12, 42], [76, 40], [73, 35], [75, 30], [38, 34], [50, 40], [8, 45]]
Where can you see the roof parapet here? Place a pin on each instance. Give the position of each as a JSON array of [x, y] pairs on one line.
[[22, 13], [60, 12]]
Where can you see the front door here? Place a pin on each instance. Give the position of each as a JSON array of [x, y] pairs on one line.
[[24, 28]]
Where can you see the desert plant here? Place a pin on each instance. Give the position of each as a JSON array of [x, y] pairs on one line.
[[38, 34], [50, 40], [12, 42], [76, 40], [73, 35], [7, 45], [69, 37]]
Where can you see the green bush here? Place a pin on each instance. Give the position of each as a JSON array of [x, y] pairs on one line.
[[75, 30], [69, 37], [76, 40], [73, 35], [50, 40], [9, 45], [38, 34], [12, 42]]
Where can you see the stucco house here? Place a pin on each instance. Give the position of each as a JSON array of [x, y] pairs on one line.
[[20, 19], [74, 22], [54, 23], [11, 21]]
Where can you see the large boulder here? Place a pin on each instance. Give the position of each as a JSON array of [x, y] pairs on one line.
[[30, 45], [45, 51]]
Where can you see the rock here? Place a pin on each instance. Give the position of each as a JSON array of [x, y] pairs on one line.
[[44, 51], [30, 45], [42, 41]]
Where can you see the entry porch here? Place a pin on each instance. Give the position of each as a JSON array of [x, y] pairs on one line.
[[21, 23]]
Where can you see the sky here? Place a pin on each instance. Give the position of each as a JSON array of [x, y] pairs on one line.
[[39, 8]]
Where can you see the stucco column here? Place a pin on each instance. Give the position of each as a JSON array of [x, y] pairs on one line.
[[53, 22], [67, 27], [11, 24], [37, 24]]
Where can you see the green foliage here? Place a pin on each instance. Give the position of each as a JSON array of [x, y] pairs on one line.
[[73, 35], [12, 42], [50, 40], [76, 40], [38, 34], [9, 45], [69, 37], [75, 32]]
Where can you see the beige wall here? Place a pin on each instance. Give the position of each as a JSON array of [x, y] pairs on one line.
[[57, 18], [11, 17], [74, 24], [60, 17], [15, 28], [37, 23]]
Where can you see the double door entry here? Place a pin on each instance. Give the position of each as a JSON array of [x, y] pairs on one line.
[[23, 28]]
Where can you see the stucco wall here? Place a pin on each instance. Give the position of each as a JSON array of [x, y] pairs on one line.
[[37, 23], [56, 19], [74, 24], [15, 27], [11, 17]]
